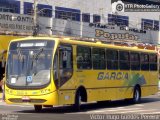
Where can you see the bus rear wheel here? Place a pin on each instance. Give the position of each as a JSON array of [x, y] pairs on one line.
[[136, 95], [38, 108]]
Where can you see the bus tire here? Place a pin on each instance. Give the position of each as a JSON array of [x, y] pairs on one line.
[[136, 95], [38, 108], [78, 101]]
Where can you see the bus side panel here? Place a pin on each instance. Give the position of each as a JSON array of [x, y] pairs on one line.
[[109, 94], [66, 97], [123, 93], [150, 90], [151, 83], [97, 94]]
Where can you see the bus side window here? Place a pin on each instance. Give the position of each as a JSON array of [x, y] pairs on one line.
[[135, 61], [124, 61], [84, 57], [153, 62], [98, 57], [144, 61], [112, 59]]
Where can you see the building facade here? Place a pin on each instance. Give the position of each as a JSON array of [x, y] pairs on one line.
[[86, 18]]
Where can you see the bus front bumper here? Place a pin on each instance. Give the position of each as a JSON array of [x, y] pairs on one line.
[[46, 99]]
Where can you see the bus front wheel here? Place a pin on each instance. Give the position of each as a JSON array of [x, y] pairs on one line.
[[136, 95], [78, 101], [38, 108]]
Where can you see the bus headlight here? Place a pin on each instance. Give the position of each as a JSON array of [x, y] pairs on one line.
[[8, 91]]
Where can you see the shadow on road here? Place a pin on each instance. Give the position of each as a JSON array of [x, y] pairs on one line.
[[91, 106]]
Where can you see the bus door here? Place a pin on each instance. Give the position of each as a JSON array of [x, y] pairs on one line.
[[65, 64], [65, 71]]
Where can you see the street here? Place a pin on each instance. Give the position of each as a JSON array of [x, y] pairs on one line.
[[148, 105]]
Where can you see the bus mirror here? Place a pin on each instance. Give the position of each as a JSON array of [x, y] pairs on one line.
[[3, 58], [3, 63]]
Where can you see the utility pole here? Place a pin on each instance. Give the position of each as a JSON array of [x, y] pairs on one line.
[[81, 25], [35, 31]]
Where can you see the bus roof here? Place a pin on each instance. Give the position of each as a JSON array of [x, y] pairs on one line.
[[76, 41]]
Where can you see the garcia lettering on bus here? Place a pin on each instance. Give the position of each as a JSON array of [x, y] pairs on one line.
[[112, 76]]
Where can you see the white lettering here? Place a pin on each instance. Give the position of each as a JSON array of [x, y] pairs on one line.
[[97, 117]]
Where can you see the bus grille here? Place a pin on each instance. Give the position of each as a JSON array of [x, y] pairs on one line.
[[18, 100]]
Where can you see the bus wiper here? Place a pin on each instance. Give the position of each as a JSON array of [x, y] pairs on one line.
[[35, 58], [37, 55], [21, 57], [19, 54]]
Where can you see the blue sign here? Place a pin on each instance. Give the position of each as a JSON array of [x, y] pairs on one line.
[[29, 79]]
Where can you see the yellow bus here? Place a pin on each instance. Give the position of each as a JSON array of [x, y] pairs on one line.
[[50, 71]]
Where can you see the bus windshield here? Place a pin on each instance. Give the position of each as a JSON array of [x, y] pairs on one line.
[[29, 63]]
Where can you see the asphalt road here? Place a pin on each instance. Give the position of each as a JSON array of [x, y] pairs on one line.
[[148, 106]]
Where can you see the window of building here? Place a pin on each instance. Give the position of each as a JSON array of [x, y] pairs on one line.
[[156, 25], [148, 24], [67, 14], [96, 18], [10, 6], [28, 8], [84, 57], [112, 59], [43, 10], [144, 61], [124, 61], [153, 61], [118, 20], [98, 58], [135, 61], [85, 17]]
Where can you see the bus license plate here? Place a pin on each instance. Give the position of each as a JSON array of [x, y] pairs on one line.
[[25, 99]]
